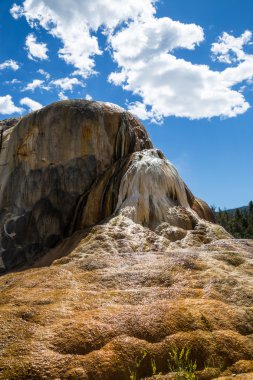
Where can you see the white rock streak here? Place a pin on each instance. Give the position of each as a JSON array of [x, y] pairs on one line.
[[149, 188]]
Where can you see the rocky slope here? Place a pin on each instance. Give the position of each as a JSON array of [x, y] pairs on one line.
[[73, 164], [111, 254]]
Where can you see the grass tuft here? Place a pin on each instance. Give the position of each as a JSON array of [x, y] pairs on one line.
[[180, 366]]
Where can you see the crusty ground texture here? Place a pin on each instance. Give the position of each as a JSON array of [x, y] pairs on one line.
[[91, 306]]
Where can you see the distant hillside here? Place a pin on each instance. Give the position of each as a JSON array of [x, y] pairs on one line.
[[238, 221], [233, 210]]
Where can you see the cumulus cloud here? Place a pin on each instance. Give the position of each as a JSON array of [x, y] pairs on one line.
[[64, 84], [88, 97], [44, 73], [75, 22], [144, 47], [140, 41], [36, 83], [175, 87], [16, 11], [13, 81], [31, 104], [169, 86], [237, 74], [9, 64], [140, 109], [67, 83], [229, 49], [62, 96], [35, 49], [7, 106]]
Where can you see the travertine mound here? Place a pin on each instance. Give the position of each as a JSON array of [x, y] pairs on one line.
[[119, 289], [50, 159], [111, 254], [75, 163]]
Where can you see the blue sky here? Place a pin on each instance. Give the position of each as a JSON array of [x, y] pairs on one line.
[[184, 67]]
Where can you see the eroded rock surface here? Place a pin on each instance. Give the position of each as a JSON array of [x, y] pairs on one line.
[[48, 160], [111, 254], [117, 289], [73, 164]]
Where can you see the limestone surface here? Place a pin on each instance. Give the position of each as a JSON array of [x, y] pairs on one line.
[[73, 164], [106, 253], [91, 306], [48, 161]]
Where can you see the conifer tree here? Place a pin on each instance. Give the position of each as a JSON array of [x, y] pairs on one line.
[[238, 222]]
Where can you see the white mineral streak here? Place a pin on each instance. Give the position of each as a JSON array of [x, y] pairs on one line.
[[5, 157], [150, 187], [112, 106]]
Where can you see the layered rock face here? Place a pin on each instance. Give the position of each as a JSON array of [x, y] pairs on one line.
[[50, 159], [110, 254], [73, 164]]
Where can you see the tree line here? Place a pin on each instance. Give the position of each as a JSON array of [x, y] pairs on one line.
[[238, 222]]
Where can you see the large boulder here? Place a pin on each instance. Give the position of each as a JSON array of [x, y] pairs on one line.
[[71, 165], [47, 161]]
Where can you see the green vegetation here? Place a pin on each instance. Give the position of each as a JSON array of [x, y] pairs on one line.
[[238, 222], [134, 375], [179, 363]]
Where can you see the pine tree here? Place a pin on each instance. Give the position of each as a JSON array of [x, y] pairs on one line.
[[238, 222]]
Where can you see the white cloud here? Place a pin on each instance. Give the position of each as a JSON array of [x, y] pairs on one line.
[[67, 83], [240, 73], [16, 11], [35, 49], [75, 21], [7, 106], [175, 87], [44, 73], [169, 86], [31, 104], [62, 96], [144, 47], [13, 81], [229, 49], [36, 83], [140, 110], [140, 41], [88, 97], [9, 64]]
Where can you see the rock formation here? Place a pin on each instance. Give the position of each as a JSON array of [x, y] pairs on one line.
[[110, 254], [50, 160], [75, 163]]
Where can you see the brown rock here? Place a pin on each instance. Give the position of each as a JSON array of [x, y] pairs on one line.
[[50, 159], [123, 258], [74, 163], [118, 290]]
